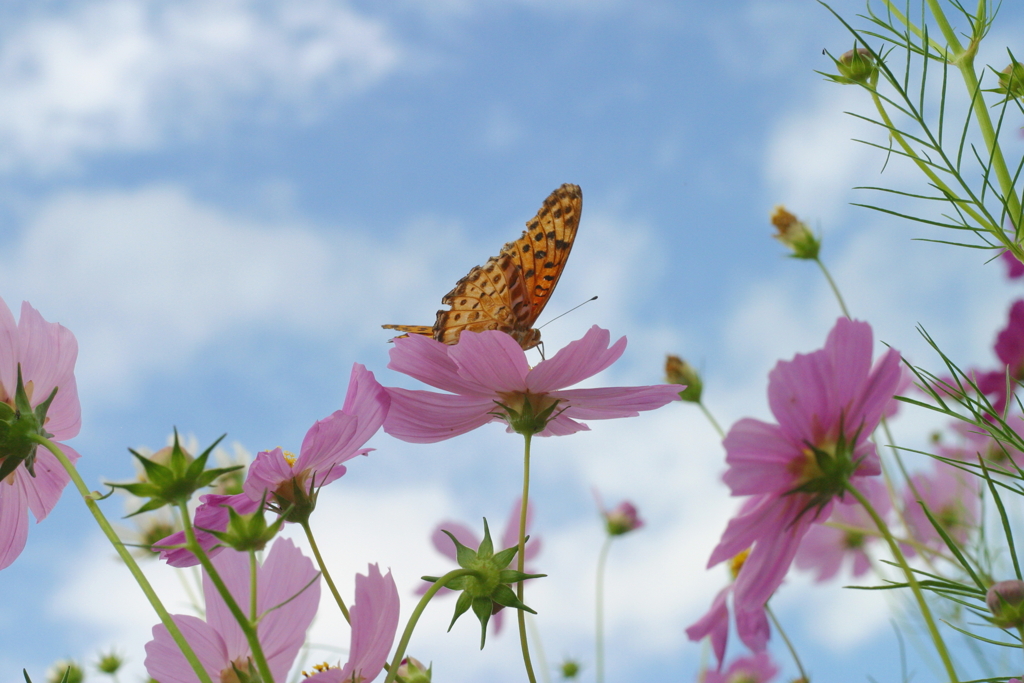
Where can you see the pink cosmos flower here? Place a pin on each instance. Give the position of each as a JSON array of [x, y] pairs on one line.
[[1009, 348], [374, 623], [621, 520], [470, 539], [825, 548], [47, 354], [287, 596], [827, 404], [487, 373], [758, 668], [952, 498], [330, 442]]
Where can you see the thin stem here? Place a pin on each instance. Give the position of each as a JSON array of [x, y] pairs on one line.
[[253, 609], [835, 289], [602, 559], [711, 419], [915, 587], [403, 643], [323, 570], [789, 645], [538, 647], [243, 622], [126, 557], [521, 561]]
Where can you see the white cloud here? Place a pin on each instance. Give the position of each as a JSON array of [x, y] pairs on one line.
[[127, 74]]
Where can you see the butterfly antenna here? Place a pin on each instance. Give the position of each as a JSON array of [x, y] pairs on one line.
[[593, 298]]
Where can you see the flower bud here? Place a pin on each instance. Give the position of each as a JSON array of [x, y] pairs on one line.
[[20, 426], [857, 66], [412, 671], [65, 672], [570, 669], [1005, 600], [622, 519], [109, 663], [678, 371], [1011, 81], [795, 234]]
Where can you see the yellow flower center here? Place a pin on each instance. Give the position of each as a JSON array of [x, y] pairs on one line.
[[289, 457], [736, 563]]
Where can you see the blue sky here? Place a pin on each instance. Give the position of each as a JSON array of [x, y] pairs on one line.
[[224, 201]]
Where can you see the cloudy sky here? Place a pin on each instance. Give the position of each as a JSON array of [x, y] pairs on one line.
[[225, 200]]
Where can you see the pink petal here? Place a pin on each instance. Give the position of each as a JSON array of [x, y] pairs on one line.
[[875, 394], [715, 623], [752, 628], [166, 663], [13, 520], [491, 360], [426, 417], [605, 403], [760, 458], [233, 568], [43, 491], [576, 362], [210, 515], [562, 425], [330, 442], [48, 353], [268, 471], [288, 594], [367, 400], [9, 352], [428, 361], [374, 623]]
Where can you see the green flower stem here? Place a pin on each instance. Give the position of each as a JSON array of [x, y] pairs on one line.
[[253, 609], [538, 646], [915, 587], [90, 502], [835, 288], [789, 645], [248, 629], [599, 607], [323, 570], [711, 419], [403, 643], [521, 561], [909, 25]]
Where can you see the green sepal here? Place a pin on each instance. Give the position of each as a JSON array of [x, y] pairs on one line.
[[20, 428], [175, 482], [526, 422], [463, 555], [506, 597], [461, 605], [508, 576], [482, 609], [247, 532], [505, 557]]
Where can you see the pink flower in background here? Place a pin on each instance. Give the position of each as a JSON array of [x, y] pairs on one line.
[[1014, 268], [374, 624], [47, 354], [1009, 348], [470, 539], [758, 668], [827, 404], [487, 372], [620, 520], [825, 548], [952, 498], [287, 596], [336, 439]]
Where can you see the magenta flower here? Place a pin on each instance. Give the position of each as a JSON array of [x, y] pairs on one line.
[[46, 353], [287, 595], [374, 623], [490, 380], [758, 668], [1009, 348], [827, 404], [952, 498], [470, 539], [1014, 268], [621, 520], [289, 480], [825, 548]]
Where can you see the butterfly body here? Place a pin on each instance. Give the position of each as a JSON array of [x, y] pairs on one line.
[[509, 292]]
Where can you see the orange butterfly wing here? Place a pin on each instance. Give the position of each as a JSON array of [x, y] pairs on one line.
[[509, 292]]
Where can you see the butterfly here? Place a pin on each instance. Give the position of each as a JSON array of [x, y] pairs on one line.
[[509, 292]]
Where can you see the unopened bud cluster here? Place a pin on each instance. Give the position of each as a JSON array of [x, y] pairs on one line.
[[795, 234]]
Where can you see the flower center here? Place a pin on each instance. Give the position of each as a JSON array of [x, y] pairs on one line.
[[228, 675], [289, 457], [526, 413], [807, 468], [736, 563]]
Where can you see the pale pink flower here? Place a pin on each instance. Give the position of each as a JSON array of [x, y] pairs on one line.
[[487, 373], [374, 624], [470, 539], [47, 354], [330, 442], [827, 404], [287, 596], [951, 496], [825, 548], [757, 668], [1014, 268], [620, 520]]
